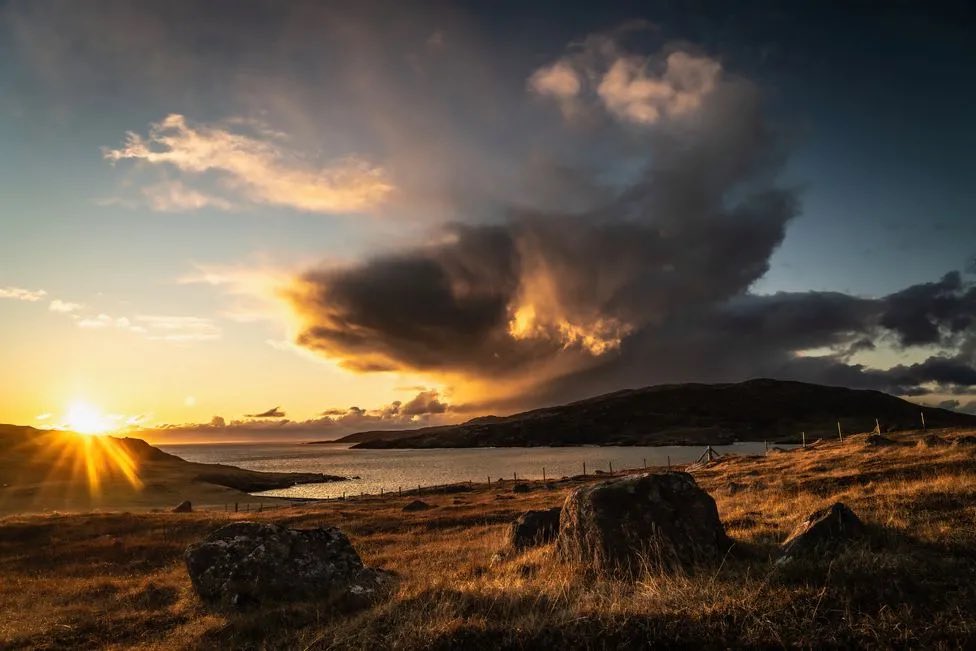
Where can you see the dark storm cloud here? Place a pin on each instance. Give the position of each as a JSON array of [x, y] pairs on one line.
[[546, 291], [929, 313], [644, 279], [426, 402], [274, 412]]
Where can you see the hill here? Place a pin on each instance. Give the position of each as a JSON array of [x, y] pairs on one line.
[[50, 469], [674, 414]]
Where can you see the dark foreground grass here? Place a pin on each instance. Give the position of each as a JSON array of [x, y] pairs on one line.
[[117, 580]]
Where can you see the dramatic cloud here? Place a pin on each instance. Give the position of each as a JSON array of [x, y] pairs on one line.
[[649, 284], [252, 162], [544, 293], [20, 294], [931, 313], [638, 89], [631, 93], [426, 402], [559, 80]]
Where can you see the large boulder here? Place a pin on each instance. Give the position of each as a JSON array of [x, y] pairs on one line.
[[822, 532], [183, 507], [417, 505], [250, 563], [535, 528], [658, 520]]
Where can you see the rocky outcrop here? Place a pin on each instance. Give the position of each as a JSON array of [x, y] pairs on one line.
[[183, 507], [660, 520], [417, 505], [534, 528], [251, 563], [822, 532]]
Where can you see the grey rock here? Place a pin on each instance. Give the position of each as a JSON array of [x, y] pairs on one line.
[[659, 520], [533, 528], [822, 532], [252, 563]]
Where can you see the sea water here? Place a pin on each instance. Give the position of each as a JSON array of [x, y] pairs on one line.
[[389, 470]]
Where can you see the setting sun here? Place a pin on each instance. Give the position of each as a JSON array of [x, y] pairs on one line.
[[83, 418]]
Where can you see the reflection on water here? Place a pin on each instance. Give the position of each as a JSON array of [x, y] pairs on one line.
[[388, 470]]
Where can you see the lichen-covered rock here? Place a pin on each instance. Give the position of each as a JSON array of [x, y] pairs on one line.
[[534, 528], [659, 520], [250, 563], [822, 532]]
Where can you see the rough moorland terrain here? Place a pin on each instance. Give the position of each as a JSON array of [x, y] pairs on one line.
[[119, 580]]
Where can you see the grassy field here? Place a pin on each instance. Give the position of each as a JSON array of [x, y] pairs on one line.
[[118, 580]]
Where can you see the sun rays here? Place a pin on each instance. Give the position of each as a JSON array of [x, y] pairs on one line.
[[86, 462]]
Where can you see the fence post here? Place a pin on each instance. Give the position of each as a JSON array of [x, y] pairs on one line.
[[922, 414], [399, 490], [645, 462], [840, 434], [611, 467], [669, 463], [514, 476], [584, 469], [766, 444], [419, 492], [804, 439], [489, 481], [543, 474]]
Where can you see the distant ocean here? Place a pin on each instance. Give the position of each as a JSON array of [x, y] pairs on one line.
[[388, 470]]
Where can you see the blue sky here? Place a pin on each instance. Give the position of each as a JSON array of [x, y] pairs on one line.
[[334, 135]]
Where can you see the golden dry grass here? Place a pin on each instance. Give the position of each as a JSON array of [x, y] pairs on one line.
[[118, 581]]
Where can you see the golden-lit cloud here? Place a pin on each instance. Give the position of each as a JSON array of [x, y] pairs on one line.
[[633, 88], [64, 307], [179, 329], [255, 165], [21, 294], [174, 196]]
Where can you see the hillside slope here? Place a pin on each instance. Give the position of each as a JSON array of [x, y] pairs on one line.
[[695, 414], [49, 469]]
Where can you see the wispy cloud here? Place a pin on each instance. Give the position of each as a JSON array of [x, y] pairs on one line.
[[178, 328], [157, 327], [21, 294], [254, 163], [174, 196], [104, 321], [64, 307]]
